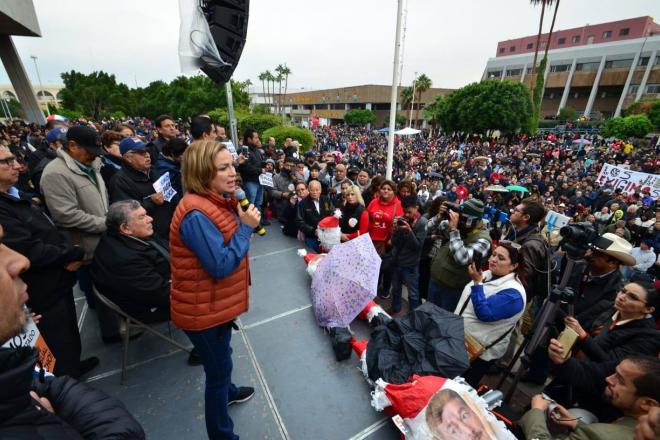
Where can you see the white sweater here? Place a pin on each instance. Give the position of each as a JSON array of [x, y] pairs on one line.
[[487, 332], [644, 259]]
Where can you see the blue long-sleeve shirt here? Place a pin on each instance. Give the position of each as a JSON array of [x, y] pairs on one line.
[[505, 304], [207, 242]]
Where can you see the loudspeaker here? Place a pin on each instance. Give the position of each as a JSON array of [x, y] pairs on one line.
[[228, 22]]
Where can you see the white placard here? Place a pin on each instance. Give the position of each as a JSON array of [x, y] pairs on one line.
[[266, 179], [231, 148], [164, 185], [555, 220], [31, 337], [630, 182]]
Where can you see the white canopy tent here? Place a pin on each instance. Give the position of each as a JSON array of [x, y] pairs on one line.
[[407, 131]]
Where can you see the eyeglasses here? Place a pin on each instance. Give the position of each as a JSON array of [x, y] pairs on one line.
[[9, 160], [631, 296], [513, 244]]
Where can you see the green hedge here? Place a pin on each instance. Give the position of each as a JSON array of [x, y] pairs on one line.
[[259, 122], [302, 135]]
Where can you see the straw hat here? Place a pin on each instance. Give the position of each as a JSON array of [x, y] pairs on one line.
[[615, 246]]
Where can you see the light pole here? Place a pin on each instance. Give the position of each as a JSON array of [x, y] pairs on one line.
[[34, 58], [394, 94], [412, 106]]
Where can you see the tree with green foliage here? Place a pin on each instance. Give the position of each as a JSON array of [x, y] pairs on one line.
[[568, 114], [485, 106], [422, 84], [359, 116], [15, 109], [302, 135], [646, 106], [244, 119], [94, 95], [633, 126], [434, 111]]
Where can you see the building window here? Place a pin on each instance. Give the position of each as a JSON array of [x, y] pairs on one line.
[[495, 74], [603, 95], [590, 39], [512, 49], [513, 72], [643, 61], [632, 90], [560, 68], [576, 95], [623, 32], [542, 45], [530, 45], [561, 40], [575, 39], [585, 67], [607, 34], [653, 88], [618, 64], [501, 50]]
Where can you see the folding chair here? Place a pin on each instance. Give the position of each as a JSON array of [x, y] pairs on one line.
[[131, 322]]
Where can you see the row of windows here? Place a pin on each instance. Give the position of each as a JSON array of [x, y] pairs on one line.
[[584, 67], [574, 39]]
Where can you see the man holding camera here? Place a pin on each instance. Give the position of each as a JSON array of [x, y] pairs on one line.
[[467, 242], [282, 184], [250, 162], [407, 240]]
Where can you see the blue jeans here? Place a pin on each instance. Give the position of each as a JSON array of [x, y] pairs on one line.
[[410, 277], [443, 296], [215, 351], [254, 193], [313, 244]]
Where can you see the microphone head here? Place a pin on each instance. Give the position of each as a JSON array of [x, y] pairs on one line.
[[239, 194]]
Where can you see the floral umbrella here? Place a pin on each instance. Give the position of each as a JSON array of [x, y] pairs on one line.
[[345, 282]]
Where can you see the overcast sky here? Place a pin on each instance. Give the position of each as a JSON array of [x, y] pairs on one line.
[[325, 43]]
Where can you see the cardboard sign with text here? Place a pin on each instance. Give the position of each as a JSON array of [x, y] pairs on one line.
[[31, 337], [630, 182]]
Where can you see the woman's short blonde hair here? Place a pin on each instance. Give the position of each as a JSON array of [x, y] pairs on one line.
[[197, 167], [358, 194]]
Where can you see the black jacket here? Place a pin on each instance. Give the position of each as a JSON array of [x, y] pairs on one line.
[[251, 169], [639, 337], [30, 232], [407, 245], [132, 273], [308, 217], [129, 183], [597, 297], [110, 167], [80, 411], [37, 161]]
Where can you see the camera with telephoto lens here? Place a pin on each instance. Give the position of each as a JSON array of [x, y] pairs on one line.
[[577, 237]]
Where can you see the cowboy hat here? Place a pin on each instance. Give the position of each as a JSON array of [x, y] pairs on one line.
[[616, 247]]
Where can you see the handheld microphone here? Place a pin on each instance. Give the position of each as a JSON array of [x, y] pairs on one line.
[[244, 202]]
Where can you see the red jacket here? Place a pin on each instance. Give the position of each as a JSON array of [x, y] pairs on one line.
[[381, 216]]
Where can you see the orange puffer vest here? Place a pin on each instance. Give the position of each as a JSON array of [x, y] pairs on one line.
[[198, 301]]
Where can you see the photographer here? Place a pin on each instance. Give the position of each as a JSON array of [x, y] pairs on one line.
[[290, 211], [407, 242], [282, 183], [249, 166], [467, 242]]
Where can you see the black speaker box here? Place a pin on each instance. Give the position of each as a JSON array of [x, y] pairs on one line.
[[228, 22]]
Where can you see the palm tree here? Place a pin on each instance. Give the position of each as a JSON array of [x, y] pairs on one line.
[[286, 72], [422, 84], [279, 78], [269, 78], [406, 97], [262, 77], [538, 36], [552, 27]]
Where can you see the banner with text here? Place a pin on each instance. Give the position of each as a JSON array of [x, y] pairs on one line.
[[630, 182]]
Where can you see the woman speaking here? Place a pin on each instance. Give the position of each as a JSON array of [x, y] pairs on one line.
[[491, 305], [209, 242]]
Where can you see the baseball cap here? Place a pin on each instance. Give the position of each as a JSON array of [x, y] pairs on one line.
[[86, 137], [56, 134], [131, 144], [310, 154]]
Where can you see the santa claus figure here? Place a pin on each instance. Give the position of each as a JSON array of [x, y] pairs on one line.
[[329, 232]]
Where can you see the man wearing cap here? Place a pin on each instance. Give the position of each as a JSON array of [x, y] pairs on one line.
[[602, 279], [76, 195], [46, 152], [467, 242], [135, 181]]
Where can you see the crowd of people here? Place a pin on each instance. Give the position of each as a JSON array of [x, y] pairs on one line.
[[75, 196]]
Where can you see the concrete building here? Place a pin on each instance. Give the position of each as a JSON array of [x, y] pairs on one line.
[[333, 104], [50, 94], [18, 17], [596, 69]]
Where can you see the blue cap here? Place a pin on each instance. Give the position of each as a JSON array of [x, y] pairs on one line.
[[56, 134], [131, 144]]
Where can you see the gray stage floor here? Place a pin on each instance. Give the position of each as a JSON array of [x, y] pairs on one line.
[[302, 392]]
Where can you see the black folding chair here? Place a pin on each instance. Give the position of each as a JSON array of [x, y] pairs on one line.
[[131, 322]]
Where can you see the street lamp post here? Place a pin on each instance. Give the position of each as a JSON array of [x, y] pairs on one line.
[[34, 58], [394, 94]]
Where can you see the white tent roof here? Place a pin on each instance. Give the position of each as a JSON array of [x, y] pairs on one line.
[[407, 131]]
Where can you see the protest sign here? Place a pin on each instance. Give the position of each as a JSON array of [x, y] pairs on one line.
[[31, 337], [630, 182], [164, 185], [266, 179], [232, 149]]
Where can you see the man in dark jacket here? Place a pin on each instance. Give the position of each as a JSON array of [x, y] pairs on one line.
[[54, 260], [131, 265], [135, 182], [407, 241], [44, 153], [250, 163], [53, 408], [166, 131], [311, 211]]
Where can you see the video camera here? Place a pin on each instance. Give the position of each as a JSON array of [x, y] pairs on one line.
[[577, 238]]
